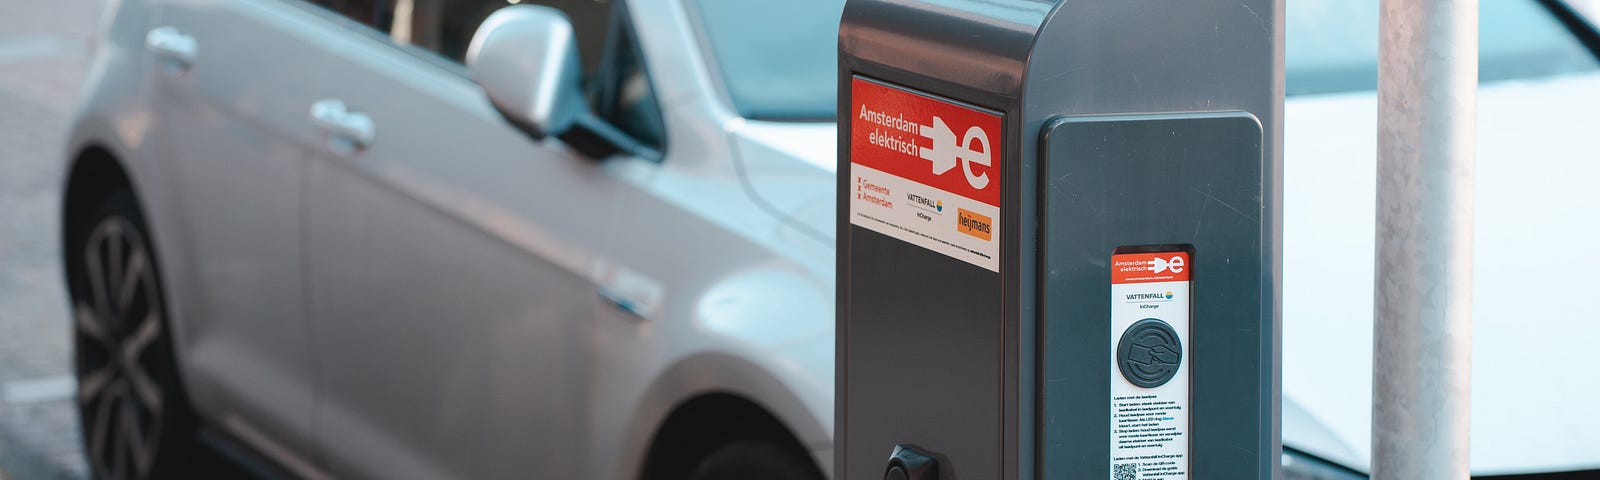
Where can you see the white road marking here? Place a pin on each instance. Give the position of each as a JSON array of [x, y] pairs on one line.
[[38, 390], [23, 49]]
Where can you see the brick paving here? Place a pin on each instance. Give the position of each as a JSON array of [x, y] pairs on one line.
[[44, 48]]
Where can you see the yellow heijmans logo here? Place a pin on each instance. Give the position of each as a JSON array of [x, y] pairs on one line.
[[973, 224]]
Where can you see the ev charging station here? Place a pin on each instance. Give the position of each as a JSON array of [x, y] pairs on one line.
[[1059, 239]]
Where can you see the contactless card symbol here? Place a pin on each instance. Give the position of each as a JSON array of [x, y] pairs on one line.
[[1149, 353], [946, 152]]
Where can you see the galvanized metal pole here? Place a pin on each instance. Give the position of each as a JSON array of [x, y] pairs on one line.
[[1422, 335]]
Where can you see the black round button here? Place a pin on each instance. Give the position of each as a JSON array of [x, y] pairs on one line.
[[1149, 353], [895, 473]]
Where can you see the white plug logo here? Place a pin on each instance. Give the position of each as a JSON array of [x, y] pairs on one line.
[[1160, 265], [946, 152]]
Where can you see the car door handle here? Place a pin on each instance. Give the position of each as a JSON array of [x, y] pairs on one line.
[[349, 129], [173, 45]]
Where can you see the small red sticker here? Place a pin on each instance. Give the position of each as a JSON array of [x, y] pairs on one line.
[[1150, 267]]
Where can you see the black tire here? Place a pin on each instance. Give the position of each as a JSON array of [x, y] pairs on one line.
[[755, 459], [135, 420]]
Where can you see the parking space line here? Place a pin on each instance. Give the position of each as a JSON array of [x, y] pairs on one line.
[[38, 390]]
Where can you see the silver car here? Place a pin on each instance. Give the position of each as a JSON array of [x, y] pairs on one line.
[[571, 238], [312, 233]]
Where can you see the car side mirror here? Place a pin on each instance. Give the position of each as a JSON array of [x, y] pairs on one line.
[[526, 58]]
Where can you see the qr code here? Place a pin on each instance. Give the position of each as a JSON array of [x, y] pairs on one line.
[[1125, 471]]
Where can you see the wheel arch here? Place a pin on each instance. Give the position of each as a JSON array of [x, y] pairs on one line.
[[94, 171], [710, 400]]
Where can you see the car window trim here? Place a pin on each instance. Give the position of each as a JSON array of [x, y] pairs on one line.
[[373, 33], [1576, 24], [621, 23]]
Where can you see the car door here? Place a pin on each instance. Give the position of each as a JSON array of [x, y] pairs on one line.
[[451, 260], [230, 123]]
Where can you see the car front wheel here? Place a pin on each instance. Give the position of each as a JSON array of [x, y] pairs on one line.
[[134, 419], [748, 459]]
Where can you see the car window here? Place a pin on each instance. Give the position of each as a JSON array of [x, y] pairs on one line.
[[624, 97], [446, 27], [1332, 45], [616, 83], [364, 12], [778, 59]]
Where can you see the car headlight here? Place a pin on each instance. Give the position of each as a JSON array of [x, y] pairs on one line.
[[1300, 466]]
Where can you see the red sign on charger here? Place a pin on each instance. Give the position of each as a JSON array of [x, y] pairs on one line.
[[1150, 267], [944, 145], [926, 170]]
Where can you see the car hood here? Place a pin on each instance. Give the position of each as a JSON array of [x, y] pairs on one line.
[[1589, 8], [1537, 151]]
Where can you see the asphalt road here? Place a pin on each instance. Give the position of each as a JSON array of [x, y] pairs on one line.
[[44, 49]]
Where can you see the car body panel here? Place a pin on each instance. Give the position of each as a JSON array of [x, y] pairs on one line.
[[499, 215], [477, 369], [790, 167], [735, 271], [1305, 432], [248, 340]]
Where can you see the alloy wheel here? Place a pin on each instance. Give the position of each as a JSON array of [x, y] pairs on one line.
[[118, 330]]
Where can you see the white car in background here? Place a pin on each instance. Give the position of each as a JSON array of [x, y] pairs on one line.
[[1537, 157], [372, 239]]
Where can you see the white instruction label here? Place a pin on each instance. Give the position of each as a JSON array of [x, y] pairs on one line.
[[1150, 309]]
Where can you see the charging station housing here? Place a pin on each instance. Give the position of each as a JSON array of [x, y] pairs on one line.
[[996, 158]]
